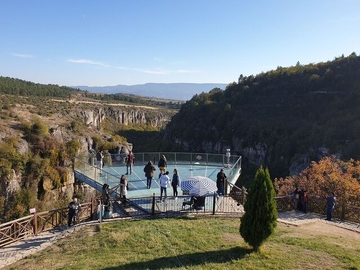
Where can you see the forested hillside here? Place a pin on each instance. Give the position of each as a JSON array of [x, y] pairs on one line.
[[17, 87], [282, 118]]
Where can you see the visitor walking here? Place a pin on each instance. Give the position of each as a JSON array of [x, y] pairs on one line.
[[149, 170]]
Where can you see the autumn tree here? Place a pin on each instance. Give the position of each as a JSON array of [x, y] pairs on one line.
[[260, 216], [328, 175]]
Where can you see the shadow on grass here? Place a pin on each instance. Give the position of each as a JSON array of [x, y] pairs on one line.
[[186, 260]]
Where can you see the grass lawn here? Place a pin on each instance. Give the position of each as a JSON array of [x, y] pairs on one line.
[[197, 243]]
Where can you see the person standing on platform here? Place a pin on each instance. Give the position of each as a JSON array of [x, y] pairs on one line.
[[149, 170], [220, 181], [130, 162], [123, 189], [99, 160], [164, 182], [175, 183], [162, 164]]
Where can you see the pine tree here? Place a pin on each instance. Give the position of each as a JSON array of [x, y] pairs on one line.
[[259, 220]]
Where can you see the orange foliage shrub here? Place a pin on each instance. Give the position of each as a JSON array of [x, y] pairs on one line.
[[321, 178]]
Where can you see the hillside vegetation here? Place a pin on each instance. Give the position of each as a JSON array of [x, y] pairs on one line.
[[281, 118]]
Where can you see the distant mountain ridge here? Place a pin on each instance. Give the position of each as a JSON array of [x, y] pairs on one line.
[[176, 91]]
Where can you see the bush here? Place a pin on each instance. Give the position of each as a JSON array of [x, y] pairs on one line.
[[259, 220]]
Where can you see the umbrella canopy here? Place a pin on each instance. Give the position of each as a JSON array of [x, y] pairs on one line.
[[198, 185]]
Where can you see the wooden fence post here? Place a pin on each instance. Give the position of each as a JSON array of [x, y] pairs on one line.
[[35, 223], [92, 209], [343, 207]]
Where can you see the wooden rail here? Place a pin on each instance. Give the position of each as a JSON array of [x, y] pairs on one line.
[[317, 205], [38, 222]]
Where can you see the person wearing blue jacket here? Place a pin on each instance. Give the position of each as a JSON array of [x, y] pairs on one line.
[[330, 201]]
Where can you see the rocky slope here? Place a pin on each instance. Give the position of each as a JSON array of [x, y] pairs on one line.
[[66, 120]]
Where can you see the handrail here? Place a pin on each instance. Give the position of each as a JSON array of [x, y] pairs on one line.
[[173, 158], [36, 223], [21, 228]]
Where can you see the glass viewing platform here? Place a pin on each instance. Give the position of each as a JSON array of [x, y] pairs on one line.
[[187, 164]]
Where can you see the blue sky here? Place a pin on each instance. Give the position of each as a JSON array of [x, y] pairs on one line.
[[111, 42]]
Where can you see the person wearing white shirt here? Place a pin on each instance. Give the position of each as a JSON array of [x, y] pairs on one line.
[[164, 181]]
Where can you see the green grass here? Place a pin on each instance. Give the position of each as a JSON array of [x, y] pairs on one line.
[[195, 243]]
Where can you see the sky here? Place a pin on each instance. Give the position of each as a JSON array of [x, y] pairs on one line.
[[129, 42]]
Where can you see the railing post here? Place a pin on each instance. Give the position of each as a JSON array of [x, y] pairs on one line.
[[35, 223], [214, 203], [92, 209], [153, 205], [225, 187], [101, 211], [343, 211]]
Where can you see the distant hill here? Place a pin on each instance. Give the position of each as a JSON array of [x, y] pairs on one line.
[[175, 91]]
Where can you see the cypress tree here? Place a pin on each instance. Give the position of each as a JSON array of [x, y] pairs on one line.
[[259, 220]]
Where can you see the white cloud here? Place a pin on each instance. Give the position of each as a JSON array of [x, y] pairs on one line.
[[156, 71], [188, 71], [87, 61], [22, 55], [159, 71]]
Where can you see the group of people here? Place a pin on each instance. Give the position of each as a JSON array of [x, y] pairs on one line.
[[128, 159], [164, 178], [300, 199]]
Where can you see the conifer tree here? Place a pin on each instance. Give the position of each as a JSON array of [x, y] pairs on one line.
[[259, 220]]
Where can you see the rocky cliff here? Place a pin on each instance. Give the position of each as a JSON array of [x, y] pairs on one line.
[[92, 118]]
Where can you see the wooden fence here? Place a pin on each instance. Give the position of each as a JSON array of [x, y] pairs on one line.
[[343, 211], [38, 222]]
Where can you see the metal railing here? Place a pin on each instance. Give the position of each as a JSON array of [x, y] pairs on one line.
[[173, 158], [213, 204]]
